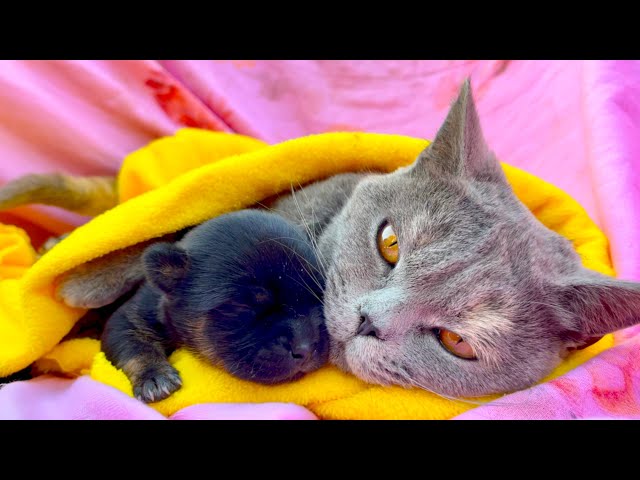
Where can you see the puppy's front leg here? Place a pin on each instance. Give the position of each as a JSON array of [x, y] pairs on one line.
[[138, 346]]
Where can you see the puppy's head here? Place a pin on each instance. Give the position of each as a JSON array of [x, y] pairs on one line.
[[244, 293]]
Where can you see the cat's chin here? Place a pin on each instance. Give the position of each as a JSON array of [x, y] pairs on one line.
[[337, 355], [351, 356]]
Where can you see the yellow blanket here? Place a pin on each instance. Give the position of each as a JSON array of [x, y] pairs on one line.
[[183, 180]]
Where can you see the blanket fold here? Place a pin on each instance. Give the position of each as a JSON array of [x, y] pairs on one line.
[[179, 181]]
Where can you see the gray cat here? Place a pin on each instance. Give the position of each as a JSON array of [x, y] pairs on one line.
[[437, 276]]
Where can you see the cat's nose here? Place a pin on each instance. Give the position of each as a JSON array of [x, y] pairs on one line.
[[367, 328]]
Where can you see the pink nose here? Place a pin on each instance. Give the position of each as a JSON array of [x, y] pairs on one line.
[[367, 328]]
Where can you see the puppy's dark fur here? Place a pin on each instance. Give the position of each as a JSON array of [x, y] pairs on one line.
[[242, 290]]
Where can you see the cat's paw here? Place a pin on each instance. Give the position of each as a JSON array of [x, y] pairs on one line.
[[50, 243], [156, 383], [98, 283], [83, 289]]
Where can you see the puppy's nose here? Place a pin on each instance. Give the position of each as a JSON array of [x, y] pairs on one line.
[[367, 328], [301, 351]]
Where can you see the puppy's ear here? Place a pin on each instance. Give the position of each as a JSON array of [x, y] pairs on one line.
[[165, 266]]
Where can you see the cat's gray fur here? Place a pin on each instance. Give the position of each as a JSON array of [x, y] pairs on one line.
[[473, 260]]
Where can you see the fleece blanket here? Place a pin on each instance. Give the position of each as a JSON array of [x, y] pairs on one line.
[[217, 173], [572, 123], [51, 398]]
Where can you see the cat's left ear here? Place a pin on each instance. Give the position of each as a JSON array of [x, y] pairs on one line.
[[591, 305], [459, 148]]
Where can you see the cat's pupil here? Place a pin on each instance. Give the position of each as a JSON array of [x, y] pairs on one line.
[[388, 243], [454, 343]]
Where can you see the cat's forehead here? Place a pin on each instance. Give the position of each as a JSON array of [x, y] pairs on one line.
[[402, 183], [422, 206], [446, 224], [407, 187]]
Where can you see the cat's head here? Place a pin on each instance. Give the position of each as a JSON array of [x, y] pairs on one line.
[[243, 290], [475, 296]]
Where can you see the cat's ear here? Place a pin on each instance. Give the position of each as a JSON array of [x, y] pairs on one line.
[[592, 305], [459, 147], [165, 266]]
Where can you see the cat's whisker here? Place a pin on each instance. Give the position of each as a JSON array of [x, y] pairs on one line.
[[308, 230], [314, 217], [306, 286], [274, 239], [315, 221], [266, 207], [313, 243], [442, 395], [311, 274]]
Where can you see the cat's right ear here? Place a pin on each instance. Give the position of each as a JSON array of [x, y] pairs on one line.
[[165, 266], [592, 304]]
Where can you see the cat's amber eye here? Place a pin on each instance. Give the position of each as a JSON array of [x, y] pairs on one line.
[[455, 344], [388, 243]]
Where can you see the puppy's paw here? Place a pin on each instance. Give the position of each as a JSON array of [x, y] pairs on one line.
[[156, 383]]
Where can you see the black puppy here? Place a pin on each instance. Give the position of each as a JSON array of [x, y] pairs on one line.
[[241, 290]]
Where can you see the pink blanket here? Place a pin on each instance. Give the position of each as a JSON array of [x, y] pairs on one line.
[[573, 123]]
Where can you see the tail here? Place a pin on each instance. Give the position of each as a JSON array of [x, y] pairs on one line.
[[84, 195]]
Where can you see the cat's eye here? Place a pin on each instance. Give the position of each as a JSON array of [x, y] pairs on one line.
[[454, 344], [388, 243]]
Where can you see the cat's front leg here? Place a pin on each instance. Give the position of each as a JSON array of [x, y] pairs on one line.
[[104, 280]]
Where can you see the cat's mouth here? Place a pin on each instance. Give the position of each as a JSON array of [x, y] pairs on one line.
[[347, 353]]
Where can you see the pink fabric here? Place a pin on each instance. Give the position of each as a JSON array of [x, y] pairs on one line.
[[573, 123], [607, 387], [49, 398]]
